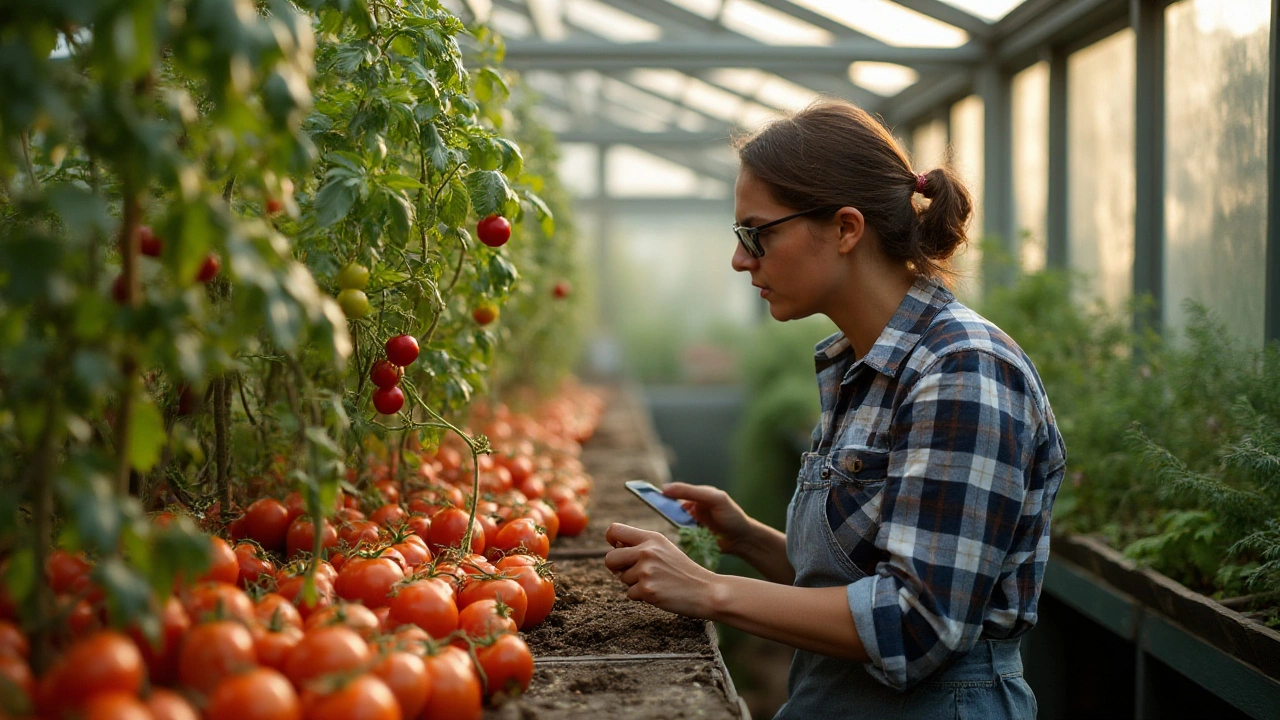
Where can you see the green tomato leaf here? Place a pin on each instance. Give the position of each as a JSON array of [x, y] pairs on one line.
[[489, 192], [334, 201], [146, 435], [545, 219], [433, 145], [455, 203]]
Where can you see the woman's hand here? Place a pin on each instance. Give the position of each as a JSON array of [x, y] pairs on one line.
[[658, 572], [714, 510]]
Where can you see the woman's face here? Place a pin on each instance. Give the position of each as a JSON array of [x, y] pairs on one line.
[[798, 270]]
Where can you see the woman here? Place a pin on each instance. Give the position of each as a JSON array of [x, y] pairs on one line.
[[919, 529]]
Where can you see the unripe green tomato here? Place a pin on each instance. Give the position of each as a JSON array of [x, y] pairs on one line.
[[353, 276], [354, 303]]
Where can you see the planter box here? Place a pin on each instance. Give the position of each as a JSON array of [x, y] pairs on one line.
[[600, 654], [1227, 654]]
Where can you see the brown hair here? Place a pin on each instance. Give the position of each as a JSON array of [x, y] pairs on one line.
[[834, 154]]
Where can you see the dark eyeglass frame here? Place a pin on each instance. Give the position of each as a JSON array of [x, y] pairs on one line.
[[750, 236]]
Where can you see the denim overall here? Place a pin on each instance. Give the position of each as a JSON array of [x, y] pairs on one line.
[[986, 683]]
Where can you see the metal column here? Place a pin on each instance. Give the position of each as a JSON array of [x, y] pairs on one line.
[[997, 175], [1272, 311], [1147, 17], [1057, 220]]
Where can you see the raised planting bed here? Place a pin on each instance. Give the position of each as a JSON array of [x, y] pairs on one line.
[[593, 616], [1227, 654], [599, 653], [654, 689]]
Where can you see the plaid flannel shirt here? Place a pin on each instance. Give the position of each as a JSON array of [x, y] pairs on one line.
[[948, 461]]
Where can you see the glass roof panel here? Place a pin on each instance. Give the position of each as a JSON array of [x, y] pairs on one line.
[[610, 22], [784, 94], [510, 23], [753, 116], [890, 23], [668, 83], [771, 26], [708, 9], [887, 79], [989, 10], [635, 173], [711, 99], [548, 18], [742, 80]]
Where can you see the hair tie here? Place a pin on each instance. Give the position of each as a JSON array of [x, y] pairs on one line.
[[920, 184]]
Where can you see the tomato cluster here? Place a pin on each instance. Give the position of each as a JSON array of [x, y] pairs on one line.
[[151, 246], [399, 617], [402, 350]]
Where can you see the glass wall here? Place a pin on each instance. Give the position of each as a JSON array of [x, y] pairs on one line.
[[1031, 163], [1100, 162], [1216, 64], [966, 146], [928, 145]]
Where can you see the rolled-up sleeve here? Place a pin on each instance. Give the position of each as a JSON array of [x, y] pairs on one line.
[[953, 502]]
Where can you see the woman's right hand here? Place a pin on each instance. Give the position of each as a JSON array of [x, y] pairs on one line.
[[714, 510]]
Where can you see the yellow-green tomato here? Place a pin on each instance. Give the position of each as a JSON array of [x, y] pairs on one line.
[[354, 303], [353, 277]]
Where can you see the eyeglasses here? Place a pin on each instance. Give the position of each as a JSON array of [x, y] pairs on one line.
[[750, 236]]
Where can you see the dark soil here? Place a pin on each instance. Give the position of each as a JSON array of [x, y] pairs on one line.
[[650, 689], [593, 616]]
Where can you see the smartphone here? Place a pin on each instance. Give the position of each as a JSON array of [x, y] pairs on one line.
[[669, 508]]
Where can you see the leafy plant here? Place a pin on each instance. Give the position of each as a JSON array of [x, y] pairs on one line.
[[701, 545]]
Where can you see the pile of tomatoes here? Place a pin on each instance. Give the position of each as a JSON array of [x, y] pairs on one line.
[[394, 619]]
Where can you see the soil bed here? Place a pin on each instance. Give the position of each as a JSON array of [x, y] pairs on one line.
[[593, 616], [650, 689]]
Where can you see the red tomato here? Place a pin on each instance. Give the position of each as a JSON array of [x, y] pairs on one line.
[[406, 676], [291, 589], [494, 230], [267, 522], [507, 665], [296, 505], [214, 651], [484, 313], [12, 641], [388, 515], [259, 694], [561, 290], [498, 588], [402, 350], [429, 604], [539, 588], [352, 615], [485, 618], [166, 704], [386, 374], [521, 534], [325, 651], [414, 550], [361, 532], [368, 580], [301, 536], [274, 205], [209, 268], [253, 564], [275, 613], [115, 705], [455, 686], [161, 657], [448, 527], [151, 245], [219, 601], [573, 518], [388, 401], [549, 517], [389, 490], [365, 697], [420, 525], [67, 572], [273, 647]]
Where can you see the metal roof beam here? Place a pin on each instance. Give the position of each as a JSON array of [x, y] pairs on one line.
[[667, 16], [613, 134], [804, 14], [951, 15], [927, 94], [579, 55], [1023, 33]]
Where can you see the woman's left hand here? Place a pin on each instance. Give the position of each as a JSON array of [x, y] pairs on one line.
[[658, 572]]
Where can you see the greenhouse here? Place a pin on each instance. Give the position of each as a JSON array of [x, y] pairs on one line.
[[347, 348]]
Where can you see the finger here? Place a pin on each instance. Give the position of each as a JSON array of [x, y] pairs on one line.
[[619, 535], [621, 558], [697, 493]]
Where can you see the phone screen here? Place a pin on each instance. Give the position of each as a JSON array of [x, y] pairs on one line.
[[669, 508]]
